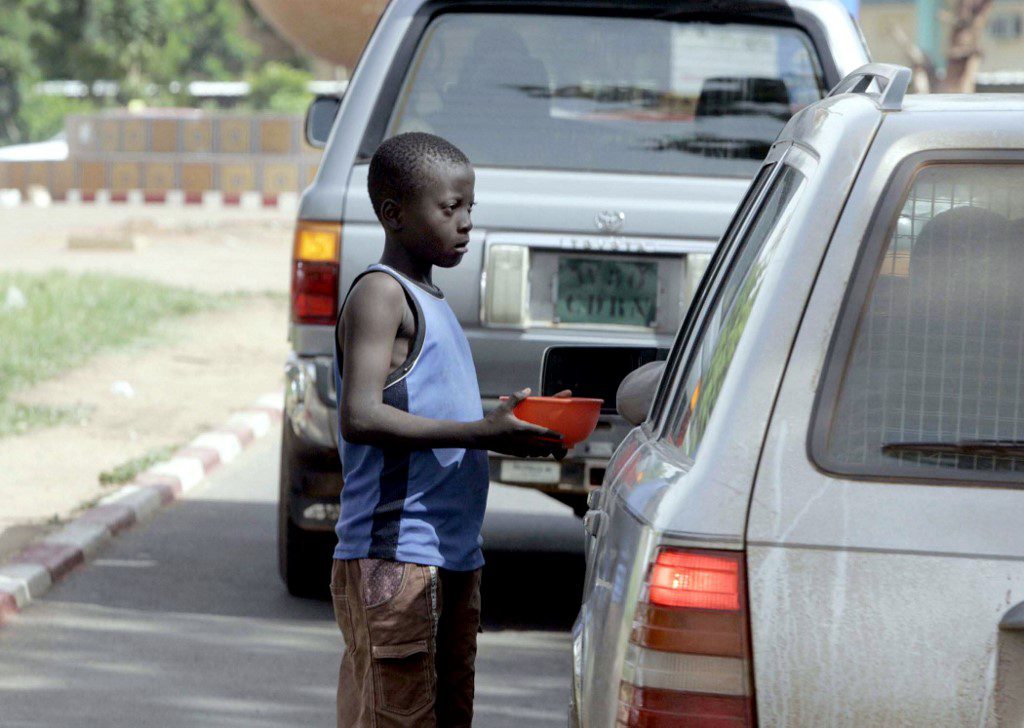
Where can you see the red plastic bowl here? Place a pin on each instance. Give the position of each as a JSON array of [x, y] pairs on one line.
[[573, 417]]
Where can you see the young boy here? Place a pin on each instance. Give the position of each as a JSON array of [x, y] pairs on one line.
[[413, 445]]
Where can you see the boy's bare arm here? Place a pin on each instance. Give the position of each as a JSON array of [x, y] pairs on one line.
[[372, 318]]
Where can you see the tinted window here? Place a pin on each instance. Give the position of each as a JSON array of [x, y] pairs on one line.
[[722, 252], [934, 379], [727, 319], [614, 94]]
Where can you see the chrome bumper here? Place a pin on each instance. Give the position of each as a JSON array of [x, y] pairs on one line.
[[310, 402]]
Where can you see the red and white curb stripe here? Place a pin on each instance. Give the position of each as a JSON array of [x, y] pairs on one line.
[[248, 200], [33, 570]]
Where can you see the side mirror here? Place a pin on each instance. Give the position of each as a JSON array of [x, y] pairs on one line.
[[598, 371], [635, 394], [320, 119]]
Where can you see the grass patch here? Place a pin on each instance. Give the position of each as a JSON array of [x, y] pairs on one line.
[[67, 319], [126, 471], [17, 418]]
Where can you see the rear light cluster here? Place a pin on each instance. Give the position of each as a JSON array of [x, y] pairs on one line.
[[688, 663], [315, 259], [506, 295]]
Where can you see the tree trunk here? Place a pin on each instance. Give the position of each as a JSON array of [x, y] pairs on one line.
[[925, 77], [964, 57]]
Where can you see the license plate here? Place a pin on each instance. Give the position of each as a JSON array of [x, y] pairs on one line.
[[530, 471], [606, 291]]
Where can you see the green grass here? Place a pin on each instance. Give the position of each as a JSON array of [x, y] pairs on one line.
[[17, 418], [69, 318], [126, 471]]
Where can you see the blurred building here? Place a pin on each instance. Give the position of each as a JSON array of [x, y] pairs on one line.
[[889, 24]]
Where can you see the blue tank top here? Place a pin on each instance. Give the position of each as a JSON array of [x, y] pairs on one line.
[[420, 506]]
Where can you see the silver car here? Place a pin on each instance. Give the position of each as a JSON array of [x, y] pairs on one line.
[[821, 521], [612, 142]]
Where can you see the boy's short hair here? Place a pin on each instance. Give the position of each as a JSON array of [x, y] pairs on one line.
[[401, 165]]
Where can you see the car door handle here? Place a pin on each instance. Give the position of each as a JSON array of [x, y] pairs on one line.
[[592, 522], [1013, 621]]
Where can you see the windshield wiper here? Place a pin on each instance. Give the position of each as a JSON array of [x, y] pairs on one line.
[[958, 447]]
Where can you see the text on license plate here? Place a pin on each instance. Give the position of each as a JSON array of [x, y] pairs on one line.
[[606, 291]]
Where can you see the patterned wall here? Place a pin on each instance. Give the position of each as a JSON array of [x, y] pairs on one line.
[[158, 151]]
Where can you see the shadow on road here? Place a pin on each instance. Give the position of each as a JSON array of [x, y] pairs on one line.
[[217, 557]]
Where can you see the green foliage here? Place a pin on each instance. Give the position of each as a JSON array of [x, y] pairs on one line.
[[42, 116], [23, 29], [216, 49], [141, 43], [278, 87]]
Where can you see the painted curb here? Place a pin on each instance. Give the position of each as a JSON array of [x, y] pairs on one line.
[[287, 201], [32, 571], [82, 536]]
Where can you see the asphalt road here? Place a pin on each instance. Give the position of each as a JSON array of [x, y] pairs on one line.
[[183, 621]]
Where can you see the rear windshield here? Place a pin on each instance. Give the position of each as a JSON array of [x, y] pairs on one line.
[[933, 385], [608, 94]]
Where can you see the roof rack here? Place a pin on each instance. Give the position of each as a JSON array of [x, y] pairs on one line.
[[892, 81]]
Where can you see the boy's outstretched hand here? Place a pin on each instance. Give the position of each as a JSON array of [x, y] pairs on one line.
[[502, 431]]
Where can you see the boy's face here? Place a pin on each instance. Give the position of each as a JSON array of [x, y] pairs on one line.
[[436, 221]]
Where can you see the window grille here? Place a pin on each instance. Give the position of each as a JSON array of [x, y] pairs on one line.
[[938, 355]]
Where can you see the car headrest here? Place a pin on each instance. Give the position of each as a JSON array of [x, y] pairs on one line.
[[957, 234], [965, 254]]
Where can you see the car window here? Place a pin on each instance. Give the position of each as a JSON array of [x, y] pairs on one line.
[[607, 93], [727, 319], [699, 301], [932, 384]]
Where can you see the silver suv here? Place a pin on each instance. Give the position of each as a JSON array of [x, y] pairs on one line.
[[821, 521], [612, 142]]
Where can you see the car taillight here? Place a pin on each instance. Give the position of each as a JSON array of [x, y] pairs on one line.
[[507, 280], [315, 263], [688, 663]]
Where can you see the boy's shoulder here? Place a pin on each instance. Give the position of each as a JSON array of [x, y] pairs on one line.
[[376, 289]]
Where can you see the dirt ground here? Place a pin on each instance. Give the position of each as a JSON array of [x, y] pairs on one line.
[[185, 378], [225, 249]]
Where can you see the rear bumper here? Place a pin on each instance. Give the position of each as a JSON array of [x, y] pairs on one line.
[[310, 402], [312, 501]]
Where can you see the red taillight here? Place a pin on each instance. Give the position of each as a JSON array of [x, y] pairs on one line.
[[315, 270], [688, 663], [680, 579]]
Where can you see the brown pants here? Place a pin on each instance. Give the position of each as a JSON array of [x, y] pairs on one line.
[[410, 644]]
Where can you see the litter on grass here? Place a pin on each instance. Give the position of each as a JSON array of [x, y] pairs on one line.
[[14, 299]]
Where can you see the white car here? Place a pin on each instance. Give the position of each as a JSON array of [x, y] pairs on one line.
[[821, 521]]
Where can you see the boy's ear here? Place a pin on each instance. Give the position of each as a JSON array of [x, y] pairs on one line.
[[391, 214]]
